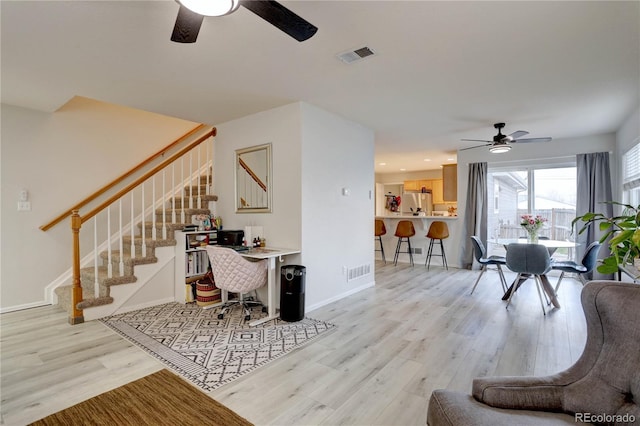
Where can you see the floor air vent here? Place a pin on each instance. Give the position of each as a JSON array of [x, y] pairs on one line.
[[358, 271], [355, 55]]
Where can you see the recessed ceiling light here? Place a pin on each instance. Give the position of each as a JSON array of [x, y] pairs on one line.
[[382, 164], [402, 170], [451, 159], [427, 159]]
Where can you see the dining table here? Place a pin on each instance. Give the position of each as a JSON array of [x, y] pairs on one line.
[[552, 246]]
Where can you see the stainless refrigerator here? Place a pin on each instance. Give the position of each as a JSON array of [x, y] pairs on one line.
[[414, 202]]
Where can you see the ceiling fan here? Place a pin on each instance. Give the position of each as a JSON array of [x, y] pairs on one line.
[[192, 12], [501, 143]]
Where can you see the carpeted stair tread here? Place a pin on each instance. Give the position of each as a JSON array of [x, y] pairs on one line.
[[88, 274], [187, 212], [64, 299], [171, 227], [186, 200], [192, 190], [127, 259]]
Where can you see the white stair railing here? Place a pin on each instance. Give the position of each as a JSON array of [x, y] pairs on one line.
[[142, 198]]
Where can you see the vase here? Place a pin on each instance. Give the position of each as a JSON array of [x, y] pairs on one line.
[[532, 236]]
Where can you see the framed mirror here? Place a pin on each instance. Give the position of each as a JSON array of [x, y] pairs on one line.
[[253, 179]]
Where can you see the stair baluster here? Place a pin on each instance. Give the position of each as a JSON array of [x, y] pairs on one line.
[[121, 242]]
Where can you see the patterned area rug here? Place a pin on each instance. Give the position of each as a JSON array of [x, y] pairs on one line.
[[207, 351]]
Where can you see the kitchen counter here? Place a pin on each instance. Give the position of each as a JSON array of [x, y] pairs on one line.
[[409, 216]]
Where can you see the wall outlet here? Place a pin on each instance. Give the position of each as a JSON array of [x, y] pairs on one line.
[[24, 206]]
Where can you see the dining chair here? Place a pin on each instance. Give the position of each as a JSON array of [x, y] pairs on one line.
[[528, 260], [586, 265], [237, 274], [480, 253]]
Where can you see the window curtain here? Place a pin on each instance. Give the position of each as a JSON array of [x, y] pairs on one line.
[[593, 190], [476, 211]]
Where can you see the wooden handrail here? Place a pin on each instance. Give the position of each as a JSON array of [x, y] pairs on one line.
[[118, 180], [147, 175], [252, 174]]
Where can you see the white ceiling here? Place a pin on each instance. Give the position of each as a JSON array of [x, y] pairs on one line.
[[443, 70]]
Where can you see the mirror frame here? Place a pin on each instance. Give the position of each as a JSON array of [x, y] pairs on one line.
[[238, 192]]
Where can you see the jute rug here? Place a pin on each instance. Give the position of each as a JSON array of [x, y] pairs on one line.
[[161, 398], [207, 351]]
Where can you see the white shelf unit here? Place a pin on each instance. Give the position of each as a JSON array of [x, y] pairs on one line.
[[185, 270]]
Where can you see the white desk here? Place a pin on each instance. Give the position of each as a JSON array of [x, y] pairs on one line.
[[270, 254]]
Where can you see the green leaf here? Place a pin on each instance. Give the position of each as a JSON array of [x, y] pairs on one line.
[[605, 225]]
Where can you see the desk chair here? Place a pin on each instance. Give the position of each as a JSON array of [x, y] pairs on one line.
[[528, 260], [404, 229], [481, 257], [380, 230], [237, 274], [605, 379], [586, 265], [438, 230]]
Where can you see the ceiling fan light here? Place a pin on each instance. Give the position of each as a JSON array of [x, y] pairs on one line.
[[211, 7], [499, 149]]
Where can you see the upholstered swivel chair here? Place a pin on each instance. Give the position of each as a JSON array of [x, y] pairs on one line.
[[380, 230], [481, 257], [404, 232], [586, 265], [604, 381], [528, 260], [237, 274], [438, 231]]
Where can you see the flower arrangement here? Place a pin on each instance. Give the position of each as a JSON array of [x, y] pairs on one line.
[[532, 225]]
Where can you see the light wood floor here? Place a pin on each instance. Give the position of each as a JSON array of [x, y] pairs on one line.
[[414, 332]]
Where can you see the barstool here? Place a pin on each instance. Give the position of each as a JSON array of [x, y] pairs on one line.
[[379, 232], [406, 230], [437, 231]]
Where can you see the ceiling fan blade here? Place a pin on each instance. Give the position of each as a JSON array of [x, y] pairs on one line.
[[531, 140], [282, 18], [517, 134], [477, 140], [187, 26], [478, 146]]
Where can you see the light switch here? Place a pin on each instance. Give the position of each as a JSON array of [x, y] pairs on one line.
[[24, 206]]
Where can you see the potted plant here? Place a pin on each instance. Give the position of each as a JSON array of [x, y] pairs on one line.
[[624, 231]]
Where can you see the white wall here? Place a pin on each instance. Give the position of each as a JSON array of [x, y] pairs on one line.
[[540, 153], [281, 127], [308, 211], [61, 158], [337, 229]]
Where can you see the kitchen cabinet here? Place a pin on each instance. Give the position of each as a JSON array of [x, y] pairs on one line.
[[411, 185], [450, 182], [436, 190], [433, 185]]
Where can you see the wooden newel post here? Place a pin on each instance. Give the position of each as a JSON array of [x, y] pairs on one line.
[[76, 291]]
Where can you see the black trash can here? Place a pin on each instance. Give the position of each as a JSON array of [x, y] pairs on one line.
[[292, 279]]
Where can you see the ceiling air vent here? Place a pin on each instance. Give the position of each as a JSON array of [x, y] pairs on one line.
[[352, 56]]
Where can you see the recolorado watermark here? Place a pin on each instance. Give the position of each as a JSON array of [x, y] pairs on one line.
[[604, 418]]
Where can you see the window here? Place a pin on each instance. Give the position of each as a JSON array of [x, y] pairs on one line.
[[549, 191], [631, 176]]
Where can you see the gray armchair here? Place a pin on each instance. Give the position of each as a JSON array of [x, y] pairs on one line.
[[603, 386]]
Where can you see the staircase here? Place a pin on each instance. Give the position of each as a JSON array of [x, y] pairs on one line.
[[131, 261]]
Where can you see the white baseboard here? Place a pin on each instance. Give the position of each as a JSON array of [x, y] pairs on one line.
[[340, 296], [25, 306]]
